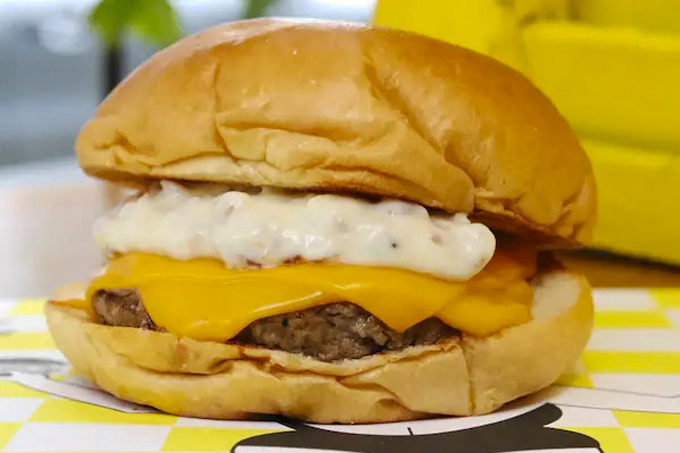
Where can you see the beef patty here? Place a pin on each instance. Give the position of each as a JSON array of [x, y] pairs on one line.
[[328, 332]]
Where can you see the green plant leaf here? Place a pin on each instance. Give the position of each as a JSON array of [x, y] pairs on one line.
[[110, 18], [257, 8], [155, 21]]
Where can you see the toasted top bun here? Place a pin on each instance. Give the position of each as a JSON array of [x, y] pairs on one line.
[[340, 107]]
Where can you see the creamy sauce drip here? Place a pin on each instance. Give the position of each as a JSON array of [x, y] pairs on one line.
[[271, 228]]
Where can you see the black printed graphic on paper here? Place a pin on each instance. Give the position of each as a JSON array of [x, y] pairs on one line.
[[525, 432]]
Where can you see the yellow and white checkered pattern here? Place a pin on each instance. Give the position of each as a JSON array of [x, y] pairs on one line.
[[634, 353]]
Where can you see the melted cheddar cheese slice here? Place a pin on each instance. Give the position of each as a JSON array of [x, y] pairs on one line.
[[204, 300]]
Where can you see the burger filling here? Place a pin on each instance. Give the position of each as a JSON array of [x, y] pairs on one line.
[[329, 276], [244, 229], [328, 332]]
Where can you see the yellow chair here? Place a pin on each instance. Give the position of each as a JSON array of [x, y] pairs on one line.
[[613, 69]]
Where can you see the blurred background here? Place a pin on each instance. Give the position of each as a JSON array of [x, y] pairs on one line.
[[55, 62], [611, 66]]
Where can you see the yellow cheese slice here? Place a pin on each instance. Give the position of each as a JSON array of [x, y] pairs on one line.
[[204, 300]]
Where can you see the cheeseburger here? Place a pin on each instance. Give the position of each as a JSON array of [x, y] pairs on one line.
[[334, 222]]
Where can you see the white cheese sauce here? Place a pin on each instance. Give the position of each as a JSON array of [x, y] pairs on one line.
[[271, 228]]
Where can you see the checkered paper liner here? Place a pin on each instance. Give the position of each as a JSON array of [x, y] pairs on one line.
[[624, 393]]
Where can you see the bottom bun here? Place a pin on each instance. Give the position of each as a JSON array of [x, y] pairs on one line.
[[462, 376]]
